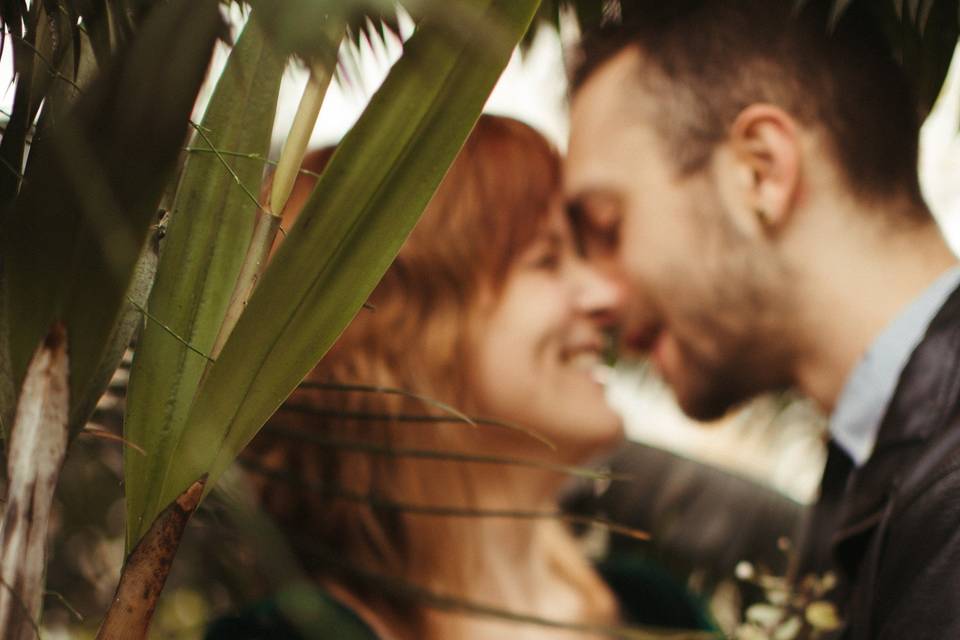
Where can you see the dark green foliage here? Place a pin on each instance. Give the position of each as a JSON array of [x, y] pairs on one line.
[[369, 197], [922, 35], [923, 40], [74, 235]]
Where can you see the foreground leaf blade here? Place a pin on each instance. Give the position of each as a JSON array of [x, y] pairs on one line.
[[72, 240], [367, 201], [209, 230]]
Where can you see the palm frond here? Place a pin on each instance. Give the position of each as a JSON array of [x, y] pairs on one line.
[[921, 34], [454, 456], [415, 418], [447, 602], [443, 511]]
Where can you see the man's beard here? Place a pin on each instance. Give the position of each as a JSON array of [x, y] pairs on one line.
[[741, 352]]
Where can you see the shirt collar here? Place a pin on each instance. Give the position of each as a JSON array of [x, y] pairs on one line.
[[863, 402]]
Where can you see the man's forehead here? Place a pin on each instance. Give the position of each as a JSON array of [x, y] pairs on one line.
[[610, 122], [608, 89], [599, 161], [628, 79]]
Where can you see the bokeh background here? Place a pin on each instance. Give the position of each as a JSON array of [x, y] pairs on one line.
[[772, 448]]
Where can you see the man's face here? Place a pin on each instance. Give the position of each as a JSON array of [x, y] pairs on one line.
[[699, 293]]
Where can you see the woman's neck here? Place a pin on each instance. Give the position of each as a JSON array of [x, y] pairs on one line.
[[530, 565], [549, 578], [526, 565]]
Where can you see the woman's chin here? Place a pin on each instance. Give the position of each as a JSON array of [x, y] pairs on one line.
[[611, 436], [590, 436]]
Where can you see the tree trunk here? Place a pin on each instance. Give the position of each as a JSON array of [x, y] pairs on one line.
[[37, 446]]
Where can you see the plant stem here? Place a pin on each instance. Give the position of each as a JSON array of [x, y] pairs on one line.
[[295, 146], [147, 568], [268, 220], [264, 233]]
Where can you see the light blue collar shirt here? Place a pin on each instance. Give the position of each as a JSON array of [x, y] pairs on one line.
[[855, 422]]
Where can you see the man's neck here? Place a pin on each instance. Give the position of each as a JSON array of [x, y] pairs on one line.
[[852, 292]]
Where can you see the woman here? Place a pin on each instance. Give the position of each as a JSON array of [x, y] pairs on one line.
[[490, 309]]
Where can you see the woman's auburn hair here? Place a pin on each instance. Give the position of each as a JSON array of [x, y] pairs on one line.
[[416, 336]]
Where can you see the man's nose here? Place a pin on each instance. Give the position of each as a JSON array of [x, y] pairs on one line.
[[601, 292]]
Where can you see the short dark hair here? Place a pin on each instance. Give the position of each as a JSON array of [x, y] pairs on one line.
[[716, 57]]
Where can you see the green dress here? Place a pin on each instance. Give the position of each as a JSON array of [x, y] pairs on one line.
[[271, 620], [646, 593]]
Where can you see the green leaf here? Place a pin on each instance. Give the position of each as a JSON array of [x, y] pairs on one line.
[[923, 17], [46, 59], [298, 598], [589, 14], [8, 393], [72, 239], [209, 230], [412, 592], [923, 39], [836, 13], [914, 10], [128, 321], [367, 201], [308, 28], [61, 97], [547, 15], [30, 53]]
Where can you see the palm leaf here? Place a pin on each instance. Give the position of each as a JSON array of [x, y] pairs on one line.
[[366, 202], [398, 587], [209, 230], [303, 604], [922, 36], [72, 240], [448, 511], [434, 454], [307, 28], [26, 102]]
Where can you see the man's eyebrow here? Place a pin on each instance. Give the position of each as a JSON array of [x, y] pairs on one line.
[[579, 203], [574, 207], [576, 199], [584, 206]]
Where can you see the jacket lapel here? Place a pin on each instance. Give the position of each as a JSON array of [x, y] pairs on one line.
[[926, 397]]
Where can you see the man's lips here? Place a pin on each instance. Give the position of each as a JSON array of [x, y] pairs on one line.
[[642, 340]]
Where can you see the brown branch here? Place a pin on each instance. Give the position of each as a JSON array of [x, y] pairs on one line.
[[37, 446], [147, 568]]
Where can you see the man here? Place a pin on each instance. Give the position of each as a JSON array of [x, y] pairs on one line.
[[759, 174]]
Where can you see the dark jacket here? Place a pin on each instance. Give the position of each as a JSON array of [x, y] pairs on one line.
[[702, 520], [893, 526]]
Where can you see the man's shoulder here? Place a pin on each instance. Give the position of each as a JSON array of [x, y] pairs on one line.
[[930, 492], [919, 570], [932, 476]]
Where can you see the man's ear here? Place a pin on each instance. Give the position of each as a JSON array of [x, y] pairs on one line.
[[760, 169]]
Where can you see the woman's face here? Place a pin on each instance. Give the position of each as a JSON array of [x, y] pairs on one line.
[[540, 344]]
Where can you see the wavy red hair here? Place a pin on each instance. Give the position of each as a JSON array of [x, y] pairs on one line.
[[489, 207]]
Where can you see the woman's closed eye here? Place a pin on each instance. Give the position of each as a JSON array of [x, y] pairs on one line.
[[547, 254], [548, 260]]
